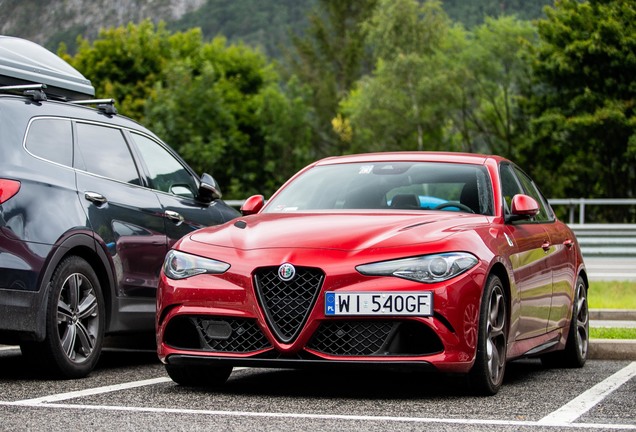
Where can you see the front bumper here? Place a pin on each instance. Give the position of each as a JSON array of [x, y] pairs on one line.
[[397, 365]]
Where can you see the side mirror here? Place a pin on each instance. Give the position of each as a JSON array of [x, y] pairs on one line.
[[523, 207], [209, 189], [252, 205]]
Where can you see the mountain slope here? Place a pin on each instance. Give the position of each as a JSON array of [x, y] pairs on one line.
[[262, 23]]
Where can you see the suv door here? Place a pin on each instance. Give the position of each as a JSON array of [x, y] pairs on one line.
[[126, 218], [177, 191]]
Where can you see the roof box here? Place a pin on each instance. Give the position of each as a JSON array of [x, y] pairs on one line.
[[25, 62]]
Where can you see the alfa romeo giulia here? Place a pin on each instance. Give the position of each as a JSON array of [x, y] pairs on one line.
[[423, 260]]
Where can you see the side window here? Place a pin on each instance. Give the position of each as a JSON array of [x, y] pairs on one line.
[[167, 174], [103, 151], [51, 139], [544, 214], [509, 186]]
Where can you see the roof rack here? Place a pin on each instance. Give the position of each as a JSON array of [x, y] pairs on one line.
[[35, 91], [105, 105]]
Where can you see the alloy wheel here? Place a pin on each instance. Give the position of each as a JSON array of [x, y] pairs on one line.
[[77, 317], [582, 320], [495, 333]]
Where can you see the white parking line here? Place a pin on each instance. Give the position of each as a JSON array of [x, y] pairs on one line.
[[587, 400], [92, 391], [561, 418], [420, 420], [95, 391]]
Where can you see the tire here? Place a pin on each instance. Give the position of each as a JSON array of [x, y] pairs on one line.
[[575, 353], [486, 375], [199, 376], [74, 322]]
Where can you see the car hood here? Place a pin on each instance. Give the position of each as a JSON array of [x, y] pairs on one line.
[[347, 232]]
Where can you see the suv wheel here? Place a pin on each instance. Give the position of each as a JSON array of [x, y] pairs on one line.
[[74, 321]]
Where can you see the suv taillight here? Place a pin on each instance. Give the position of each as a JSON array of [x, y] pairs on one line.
[[8, 188]]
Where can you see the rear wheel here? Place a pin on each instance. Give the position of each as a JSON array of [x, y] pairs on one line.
[[74, 322], [487, 373], [199, 376], [575, 353]]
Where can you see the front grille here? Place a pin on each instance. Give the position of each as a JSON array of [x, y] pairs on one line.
[[287, 304], [375, 338], [216, 334], [351, 338]]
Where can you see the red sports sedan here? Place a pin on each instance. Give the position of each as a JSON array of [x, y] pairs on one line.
[[445, 261]]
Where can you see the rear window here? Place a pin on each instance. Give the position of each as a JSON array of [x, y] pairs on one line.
[[51, 139]]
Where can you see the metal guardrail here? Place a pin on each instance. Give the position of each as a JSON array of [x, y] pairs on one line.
[[581, 203], [606, 240], [235, 203]]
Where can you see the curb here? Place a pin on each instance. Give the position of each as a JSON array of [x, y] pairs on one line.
[[612, 349], [613, 314]]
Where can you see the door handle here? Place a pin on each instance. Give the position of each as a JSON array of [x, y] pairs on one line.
[[174, 216], [96, 198], [546, 246], [568, 243]]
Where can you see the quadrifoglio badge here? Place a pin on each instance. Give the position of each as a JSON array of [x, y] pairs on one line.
[[286, 272]]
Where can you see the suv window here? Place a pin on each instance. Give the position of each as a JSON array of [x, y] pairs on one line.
[[51, 139], [167, 174], [103, 151]]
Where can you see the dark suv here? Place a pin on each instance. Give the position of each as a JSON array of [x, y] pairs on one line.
[[90, 202]]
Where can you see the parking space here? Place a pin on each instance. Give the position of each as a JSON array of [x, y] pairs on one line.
[[131, 391]]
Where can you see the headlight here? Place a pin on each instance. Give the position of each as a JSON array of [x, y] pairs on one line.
[[179, 265], [426, 268]]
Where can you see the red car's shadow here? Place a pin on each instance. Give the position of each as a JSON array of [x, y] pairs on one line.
[[367, 384]]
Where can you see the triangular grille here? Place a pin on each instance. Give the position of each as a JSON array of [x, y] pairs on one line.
[[287, 304]]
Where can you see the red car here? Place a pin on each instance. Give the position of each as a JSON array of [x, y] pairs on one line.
[[445, 261]]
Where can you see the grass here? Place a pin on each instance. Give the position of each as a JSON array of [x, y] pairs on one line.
[[612, 295], [612, 333]]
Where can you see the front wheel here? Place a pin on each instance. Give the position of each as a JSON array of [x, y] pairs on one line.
[[575, 353], [74, 322], [487, 373]]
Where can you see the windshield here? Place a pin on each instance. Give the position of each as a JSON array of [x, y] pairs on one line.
[[388, 185]]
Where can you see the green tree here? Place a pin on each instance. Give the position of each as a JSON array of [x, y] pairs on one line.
[[328, 59], [474, 12], [124, 62], [584, 126], [227, 113], [223, 108], [494, 68], [404, 104]]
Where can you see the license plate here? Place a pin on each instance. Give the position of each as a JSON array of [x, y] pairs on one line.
[[374, 303]]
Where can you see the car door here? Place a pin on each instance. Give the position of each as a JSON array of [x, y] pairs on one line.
[[558, 256], [533, 278], [176, 188], [126, 218]]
